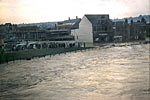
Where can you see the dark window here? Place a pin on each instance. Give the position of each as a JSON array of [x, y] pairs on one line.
[[99, 21], [94, 28], [105, 28], [103, 17]]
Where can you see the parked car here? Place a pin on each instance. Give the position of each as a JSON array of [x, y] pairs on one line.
[[21, 47]]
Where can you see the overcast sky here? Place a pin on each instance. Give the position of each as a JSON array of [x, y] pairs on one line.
[[31, 11]]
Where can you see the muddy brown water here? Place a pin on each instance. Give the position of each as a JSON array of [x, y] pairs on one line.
[[116, 73]]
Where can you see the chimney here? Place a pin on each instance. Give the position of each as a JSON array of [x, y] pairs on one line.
[[76, 17], [69, 18]]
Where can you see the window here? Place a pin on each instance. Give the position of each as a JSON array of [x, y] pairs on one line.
[[103, 17], [94, 28], [99, 21], [105, 28]]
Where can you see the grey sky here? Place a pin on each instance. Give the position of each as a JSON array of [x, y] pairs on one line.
[[28, 11]]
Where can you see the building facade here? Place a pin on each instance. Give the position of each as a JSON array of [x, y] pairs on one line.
[[121, 31], [138, 30], [94, 29]]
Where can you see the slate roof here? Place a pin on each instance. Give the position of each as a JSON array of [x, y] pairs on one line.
[[94, 19], [74, 23]]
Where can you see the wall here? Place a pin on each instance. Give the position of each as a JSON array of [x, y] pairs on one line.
[[84, 33]]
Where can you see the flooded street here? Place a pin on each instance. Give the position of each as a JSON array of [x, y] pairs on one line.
[[116, 73]]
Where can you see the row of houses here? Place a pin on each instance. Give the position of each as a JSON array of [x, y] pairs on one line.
[[99, 29], [92, 28]]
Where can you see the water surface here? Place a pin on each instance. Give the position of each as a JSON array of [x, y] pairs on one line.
[[117, 73]]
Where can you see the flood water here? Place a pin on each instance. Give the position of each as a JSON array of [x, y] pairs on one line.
[[116, 73]]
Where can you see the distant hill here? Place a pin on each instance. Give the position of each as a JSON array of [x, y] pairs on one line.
[[135, 19]]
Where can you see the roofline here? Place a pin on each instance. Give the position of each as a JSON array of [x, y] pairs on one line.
[[72, 19], [95, 14]]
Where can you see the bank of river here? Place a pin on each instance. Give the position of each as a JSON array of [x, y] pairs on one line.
[[28, 54], [31, 53]]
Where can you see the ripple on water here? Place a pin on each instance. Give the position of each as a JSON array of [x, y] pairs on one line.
[[116, 73]]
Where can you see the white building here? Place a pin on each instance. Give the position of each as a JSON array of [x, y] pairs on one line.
[[93, 28]]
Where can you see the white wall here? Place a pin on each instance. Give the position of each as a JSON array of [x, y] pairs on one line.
[[84, 33]]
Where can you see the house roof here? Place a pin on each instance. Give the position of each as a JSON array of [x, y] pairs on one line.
[[94, 19], [74, 23], [28, 28], [71, 21]]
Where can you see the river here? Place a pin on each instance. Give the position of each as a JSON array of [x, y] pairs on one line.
[[116, 73]]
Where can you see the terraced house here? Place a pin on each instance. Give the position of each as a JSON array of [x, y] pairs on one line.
[[94, 28]]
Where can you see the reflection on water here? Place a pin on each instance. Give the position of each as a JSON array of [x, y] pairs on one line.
[[117, 73]]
